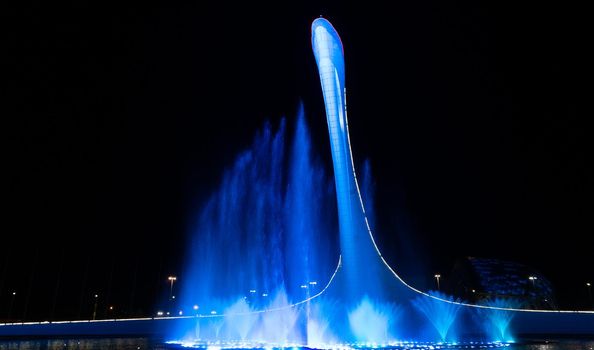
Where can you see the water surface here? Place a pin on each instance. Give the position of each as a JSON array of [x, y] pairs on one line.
[[153, 344]]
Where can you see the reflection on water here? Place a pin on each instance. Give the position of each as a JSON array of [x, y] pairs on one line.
[[149, 344], [557, 345], [83, 344]]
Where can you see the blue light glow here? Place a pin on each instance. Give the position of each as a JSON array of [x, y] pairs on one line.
[[263, 252], [398, 345], [441, 315], [496, 321], [269, 226]]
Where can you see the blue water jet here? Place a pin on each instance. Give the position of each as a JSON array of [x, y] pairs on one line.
[[440, 314], [321, 315], [373, 322], [240, 319], [279, 322], [496, 320], [270, 224]]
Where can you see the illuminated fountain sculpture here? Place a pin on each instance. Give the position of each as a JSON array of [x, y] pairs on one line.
[[364, 303]]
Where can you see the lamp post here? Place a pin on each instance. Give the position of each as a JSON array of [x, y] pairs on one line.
[[589, 286], [532, 278], [305, 288], [437, 277], [171, 279], [96, 296], [11, 303]]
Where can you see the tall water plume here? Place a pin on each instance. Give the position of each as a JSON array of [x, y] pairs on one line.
[[271, 224]]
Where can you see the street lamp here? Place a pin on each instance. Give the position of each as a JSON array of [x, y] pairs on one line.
[[589, 286], [305, 288], [11, 303], [313, 285], [95, 307], [171, 279], [437, 277], [532, 278]]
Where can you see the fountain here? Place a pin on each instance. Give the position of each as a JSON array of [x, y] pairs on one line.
[[497, 318], [240, 318], [271, 226], [439, 313], [319, 320], [281, 256], [371, 322]]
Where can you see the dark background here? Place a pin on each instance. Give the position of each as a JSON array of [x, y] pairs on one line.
[[120, 119]]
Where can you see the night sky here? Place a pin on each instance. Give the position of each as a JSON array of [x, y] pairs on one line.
[[120, 120]]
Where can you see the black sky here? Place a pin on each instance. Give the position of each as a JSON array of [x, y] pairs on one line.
[[120, 119]]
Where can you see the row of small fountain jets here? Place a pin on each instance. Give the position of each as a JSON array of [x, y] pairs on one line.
[[371, 324], [396, 345]]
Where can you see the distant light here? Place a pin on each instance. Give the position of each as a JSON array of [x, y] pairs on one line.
[[264, 294], [532, 278], [437, 276], [159, 313], [474, 291], [587, 284], [180, 312], [173, 297], [96, 296], [252, 291], [111, 307], [172, 278], [13, 293], [304, 286], [195, 307], [167, 313], [313, 283], [213, 312]]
